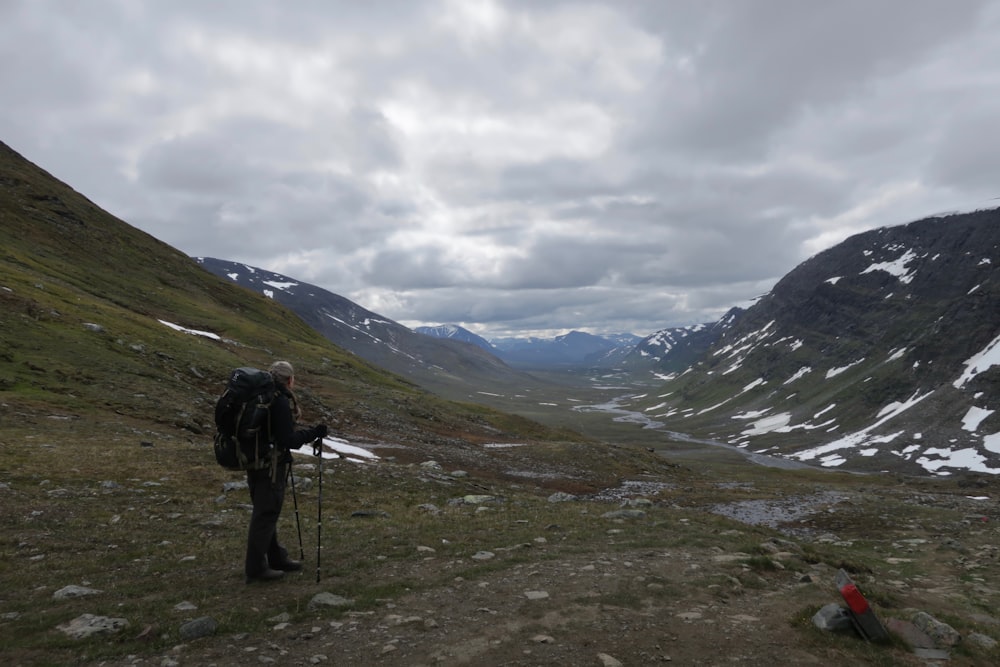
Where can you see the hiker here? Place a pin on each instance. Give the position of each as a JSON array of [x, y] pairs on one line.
[[266, 559]]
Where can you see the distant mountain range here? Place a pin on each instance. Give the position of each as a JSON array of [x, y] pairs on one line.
[[455, 332], [439, 358], [450, 367], [573, 350]]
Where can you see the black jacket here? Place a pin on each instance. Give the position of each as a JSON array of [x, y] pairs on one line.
[[283, 430]]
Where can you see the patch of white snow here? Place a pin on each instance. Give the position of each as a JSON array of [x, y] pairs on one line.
[[974, 417]]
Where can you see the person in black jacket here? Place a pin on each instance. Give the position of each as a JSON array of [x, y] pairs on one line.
[[266, 558]]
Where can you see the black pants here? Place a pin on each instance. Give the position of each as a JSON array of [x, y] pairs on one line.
[[267, 495]]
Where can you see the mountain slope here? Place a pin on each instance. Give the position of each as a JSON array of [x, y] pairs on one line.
[[104, 323], [878, 353], [577, 349], [455, 332], [673, 350], [450, 367]]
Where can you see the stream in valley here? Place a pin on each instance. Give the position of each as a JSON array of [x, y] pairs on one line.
[[623, 415]]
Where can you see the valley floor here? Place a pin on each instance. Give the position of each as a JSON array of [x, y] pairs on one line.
[[698, 560]]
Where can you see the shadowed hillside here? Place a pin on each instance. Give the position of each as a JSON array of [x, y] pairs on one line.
[[451, 368], [880, 353]]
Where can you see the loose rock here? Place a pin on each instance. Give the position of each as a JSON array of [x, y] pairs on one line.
[[199, 627], [329, 600], [88, 625]]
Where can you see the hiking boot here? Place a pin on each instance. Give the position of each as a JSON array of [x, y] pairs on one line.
[[267, 574], [289, 565]]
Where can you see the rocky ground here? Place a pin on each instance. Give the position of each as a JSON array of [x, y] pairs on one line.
[[696, 590], [461, 554]]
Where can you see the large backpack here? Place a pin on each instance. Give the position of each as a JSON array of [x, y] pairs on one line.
[[242, 420]]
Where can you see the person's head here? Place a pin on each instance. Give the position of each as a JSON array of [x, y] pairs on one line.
[[283, 373]]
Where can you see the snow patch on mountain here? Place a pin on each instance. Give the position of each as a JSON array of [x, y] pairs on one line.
[[896, 267], [978, 363]]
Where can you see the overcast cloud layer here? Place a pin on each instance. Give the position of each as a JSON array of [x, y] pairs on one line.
[[520, 166]]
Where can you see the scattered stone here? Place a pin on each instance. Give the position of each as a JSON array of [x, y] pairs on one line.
[[777, 546], [833, 618], [199, 627], [536, 595], [329, 600], [483, 555], [980, 640], [458, 473], [934, 654], [283, 617], [73, 591], [624, 514], [234, 486], [943, 634], [479, 499], [431, 465], [185, 606], [88, 625], [543, 639], [909, 633], [743, 619], [426, 550], [608, 661], [429, 507], [96, 328], [369, 514], [302, 483], [561, 497]]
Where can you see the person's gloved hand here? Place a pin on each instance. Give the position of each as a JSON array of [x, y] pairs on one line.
[[321, 431]]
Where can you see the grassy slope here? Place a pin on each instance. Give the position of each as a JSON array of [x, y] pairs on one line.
[[66, 264]]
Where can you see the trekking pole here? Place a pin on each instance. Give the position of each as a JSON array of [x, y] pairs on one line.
[[295, 502], [318, 451]]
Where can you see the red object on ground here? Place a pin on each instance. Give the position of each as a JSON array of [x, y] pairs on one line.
[[855, 600]]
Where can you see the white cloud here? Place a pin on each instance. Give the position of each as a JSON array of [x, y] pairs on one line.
[[510, 164]]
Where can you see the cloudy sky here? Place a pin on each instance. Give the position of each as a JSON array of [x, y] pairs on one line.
[[515, 166]]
